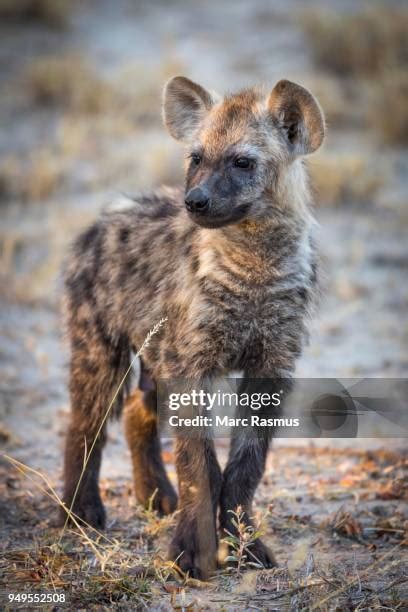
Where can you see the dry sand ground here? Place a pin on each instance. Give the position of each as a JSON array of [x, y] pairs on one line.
[[337, 512]]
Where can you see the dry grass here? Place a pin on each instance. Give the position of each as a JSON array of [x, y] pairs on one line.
[[389, 108], [80, 136], [36, 282], [89, 567], [334, 97], [72, 84], [366, 43], [43, 176], [115, 564], [97, 140], [344, 562], [53, 13], [68, 82], [343, 179], [366, 54], [9, 177], [141, 88], [32, 179]]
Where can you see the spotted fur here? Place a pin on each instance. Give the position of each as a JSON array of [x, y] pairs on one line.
[[236, 290]]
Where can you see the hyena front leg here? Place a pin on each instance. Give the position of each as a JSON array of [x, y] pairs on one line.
[[243, 472], [246, 464], [194, 545], [149, 474], [98, 364]]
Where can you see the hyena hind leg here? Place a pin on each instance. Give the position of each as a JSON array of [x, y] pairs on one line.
[[81, 488], [97, 367], [149, 474]]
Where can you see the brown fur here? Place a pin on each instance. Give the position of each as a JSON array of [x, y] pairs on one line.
[[235, 284]]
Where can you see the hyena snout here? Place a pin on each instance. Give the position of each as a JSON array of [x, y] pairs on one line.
[[198, 201], [210, 208]]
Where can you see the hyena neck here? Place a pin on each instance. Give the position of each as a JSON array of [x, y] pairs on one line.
[[260, 254], [264, 248]]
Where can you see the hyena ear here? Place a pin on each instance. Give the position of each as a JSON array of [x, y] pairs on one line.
[[185, 104], [299, 115]]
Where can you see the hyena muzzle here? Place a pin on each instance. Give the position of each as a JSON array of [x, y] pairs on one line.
[[231, 263]]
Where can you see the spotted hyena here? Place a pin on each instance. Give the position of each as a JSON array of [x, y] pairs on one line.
[[230, 262]]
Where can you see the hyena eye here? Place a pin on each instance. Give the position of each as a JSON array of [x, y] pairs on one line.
[[196, 158], [243, 162]]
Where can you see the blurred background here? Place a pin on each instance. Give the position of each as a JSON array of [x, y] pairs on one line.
[[80, 123]]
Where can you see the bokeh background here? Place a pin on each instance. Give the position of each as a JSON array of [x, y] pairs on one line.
[[80, 123]]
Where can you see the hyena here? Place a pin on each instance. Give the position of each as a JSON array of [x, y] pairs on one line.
[[231, 263]]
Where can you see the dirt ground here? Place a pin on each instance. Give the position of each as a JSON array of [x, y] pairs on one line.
[[334, 511]]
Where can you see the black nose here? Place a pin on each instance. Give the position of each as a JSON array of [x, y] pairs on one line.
[[197, 201]]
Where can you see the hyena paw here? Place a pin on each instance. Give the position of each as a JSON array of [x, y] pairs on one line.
[[165, 501], [185, 551], [258, 552], [163, 498], [90, 509]]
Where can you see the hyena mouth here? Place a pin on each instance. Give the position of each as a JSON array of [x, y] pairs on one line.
[[214, 220]]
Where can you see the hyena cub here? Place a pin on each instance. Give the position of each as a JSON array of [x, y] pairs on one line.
[[231, 263]]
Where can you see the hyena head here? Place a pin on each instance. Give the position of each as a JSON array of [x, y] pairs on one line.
[[238, 146]]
